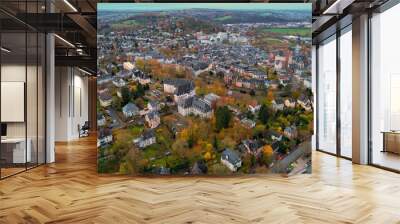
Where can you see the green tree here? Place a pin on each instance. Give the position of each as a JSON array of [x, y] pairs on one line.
[[249, 115], [139, 91], [264, 114], [215, 143], [114, 70], [126, 95], [223, 117], [116, 103], [190, 141]]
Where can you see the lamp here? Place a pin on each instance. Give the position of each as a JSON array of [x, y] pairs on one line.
[[5, 50], [70, 5]]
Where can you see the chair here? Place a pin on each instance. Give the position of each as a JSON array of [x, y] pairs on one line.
[[84, 130]]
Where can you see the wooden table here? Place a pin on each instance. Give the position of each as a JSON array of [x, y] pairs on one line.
[[13, 150], [391, 141]]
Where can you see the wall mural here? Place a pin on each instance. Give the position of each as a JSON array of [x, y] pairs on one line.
[[204, 88]]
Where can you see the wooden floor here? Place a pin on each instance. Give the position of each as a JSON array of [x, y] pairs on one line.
[[386, 159], [70, 191]]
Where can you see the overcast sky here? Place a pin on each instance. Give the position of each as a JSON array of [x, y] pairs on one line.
[[182, 6]]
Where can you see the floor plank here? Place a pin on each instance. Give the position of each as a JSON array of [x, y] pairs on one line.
[[70, 191]]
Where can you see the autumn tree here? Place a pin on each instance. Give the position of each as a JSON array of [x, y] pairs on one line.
[[270, 95], [209, 155], [248, 162], [266, 155], [140, 64], [273, 75]]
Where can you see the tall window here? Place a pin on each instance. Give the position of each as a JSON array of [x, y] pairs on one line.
[[346, 93], [327, 96], [385, 89]]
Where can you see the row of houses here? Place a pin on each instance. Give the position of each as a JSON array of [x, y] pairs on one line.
[[241, 82], [303, 101], [231, 158]]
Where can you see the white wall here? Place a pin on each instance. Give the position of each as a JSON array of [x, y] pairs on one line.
[[61, 104], [71, 103]]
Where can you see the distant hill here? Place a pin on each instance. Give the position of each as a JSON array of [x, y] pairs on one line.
[[168, 22], [238, 16], [193, 20]]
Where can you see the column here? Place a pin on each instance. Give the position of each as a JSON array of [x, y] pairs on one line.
[[360, 90]]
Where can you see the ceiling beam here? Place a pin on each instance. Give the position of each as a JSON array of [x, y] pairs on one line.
[[77, 61]]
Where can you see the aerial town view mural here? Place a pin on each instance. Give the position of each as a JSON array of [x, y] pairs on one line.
[[204, 88]]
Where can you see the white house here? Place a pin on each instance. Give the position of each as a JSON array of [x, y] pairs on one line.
[[130, 110], [195, 106], [128, 66], [278, 104], [275, 136], [231, 160], [146, 139], [169, 87], [304, 102], [141, 77], [248, 123], [211, 98], [291, 103], [290, 132], [254, 107], [105, 99], [119, 82], [101, 120], [104, 137], [153, 119], [181, 88], [153, 105]]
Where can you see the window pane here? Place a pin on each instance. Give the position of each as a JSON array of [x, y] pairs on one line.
[[31, 97], [385, 92], [346, 94], [13, 85], [41, 99], [327, 96]]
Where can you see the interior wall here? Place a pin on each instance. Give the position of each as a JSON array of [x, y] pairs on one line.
[[92, 99], [61, 103], [71, 102]]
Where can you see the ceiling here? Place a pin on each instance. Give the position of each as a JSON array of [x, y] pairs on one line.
[[330, 15]]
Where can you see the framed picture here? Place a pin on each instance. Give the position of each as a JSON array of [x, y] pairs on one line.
[[204, 88]]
